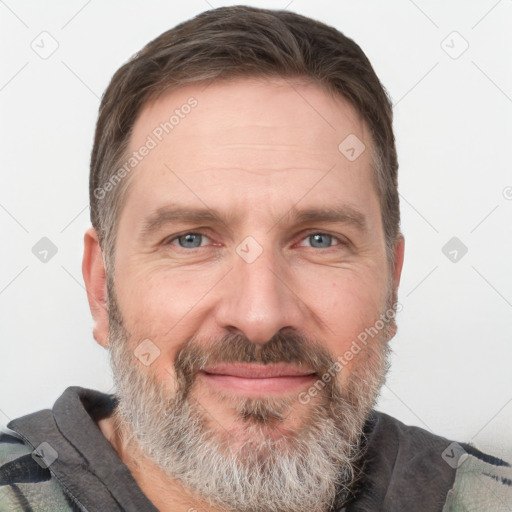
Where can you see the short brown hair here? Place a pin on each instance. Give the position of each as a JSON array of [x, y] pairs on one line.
[[229, 42]]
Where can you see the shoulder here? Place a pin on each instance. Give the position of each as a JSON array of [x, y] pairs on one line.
[[449, 475], [26, 483], [483, 482]]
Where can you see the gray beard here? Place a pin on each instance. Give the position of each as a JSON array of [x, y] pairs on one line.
[[307, 470]]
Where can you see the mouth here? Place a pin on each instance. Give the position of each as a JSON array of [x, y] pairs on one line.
[[258, 379]]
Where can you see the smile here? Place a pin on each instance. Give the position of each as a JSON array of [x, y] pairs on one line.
[[257, 378]]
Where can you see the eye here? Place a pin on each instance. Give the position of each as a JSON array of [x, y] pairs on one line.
[[188, 240], [321, 240], [317, 239]]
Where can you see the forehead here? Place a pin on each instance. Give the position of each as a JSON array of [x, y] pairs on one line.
[[247, 137], [249, 111]]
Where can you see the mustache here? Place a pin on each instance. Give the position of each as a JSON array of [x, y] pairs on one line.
[[284, 347]]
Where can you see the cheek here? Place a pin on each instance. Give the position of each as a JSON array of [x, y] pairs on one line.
[[347, 308], [157, 301], [158, 310]]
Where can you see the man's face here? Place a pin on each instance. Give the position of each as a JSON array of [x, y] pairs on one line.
[[246, 308]]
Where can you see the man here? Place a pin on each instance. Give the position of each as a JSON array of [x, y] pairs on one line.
[[242, 270]]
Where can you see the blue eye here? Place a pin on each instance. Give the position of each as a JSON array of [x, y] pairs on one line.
[[323, 240], [318, 240], [189, 240]]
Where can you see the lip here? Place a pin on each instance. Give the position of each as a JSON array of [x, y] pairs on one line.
[[257, 378], [257, 371]]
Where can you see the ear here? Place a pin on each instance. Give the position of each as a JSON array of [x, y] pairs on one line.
[[398, 261], [95, 279], [398, 253]]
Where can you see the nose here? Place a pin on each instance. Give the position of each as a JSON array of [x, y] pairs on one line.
[[258, 299]]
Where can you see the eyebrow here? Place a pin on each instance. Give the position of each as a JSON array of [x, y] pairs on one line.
[[175, 214], [336, 214]]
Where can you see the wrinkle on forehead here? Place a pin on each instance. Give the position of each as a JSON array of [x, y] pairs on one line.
[[264, 115]]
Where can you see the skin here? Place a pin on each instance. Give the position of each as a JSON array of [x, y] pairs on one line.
[[255, 149]]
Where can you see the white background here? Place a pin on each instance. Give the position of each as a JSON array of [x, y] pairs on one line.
[[452, 362]]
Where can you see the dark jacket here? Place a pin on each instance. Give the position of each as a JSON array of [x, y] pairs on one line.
[[58, 460]]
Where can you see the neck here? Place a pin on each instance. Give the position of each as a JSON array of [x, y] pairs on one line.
[[167, 494]]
